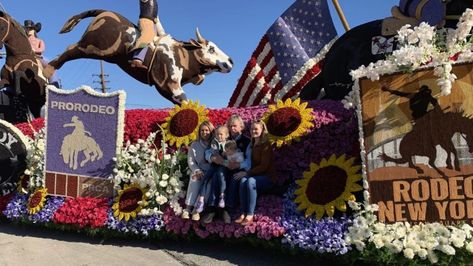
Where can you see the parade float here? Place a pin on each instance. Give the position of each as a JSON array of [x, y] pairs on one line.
[[379, 175]]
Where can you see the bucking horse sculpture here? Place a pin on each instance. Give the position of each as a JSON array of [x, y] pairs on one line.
[[170, 63], [22, 72]]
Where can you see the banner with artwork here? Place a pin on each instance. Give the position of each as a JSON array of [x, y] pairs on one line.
[[84, 131], [418, 146]]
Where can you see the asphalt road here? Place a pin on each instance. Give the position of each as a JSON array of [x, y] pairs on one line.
[[22, 245]]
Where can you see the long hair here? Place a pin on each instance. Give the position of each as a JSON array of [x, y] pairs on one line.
[[211, 128], [264, 134]]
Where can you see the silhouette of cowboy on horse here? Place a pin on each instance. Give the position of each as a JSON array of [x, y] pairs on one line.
[[418, 101]]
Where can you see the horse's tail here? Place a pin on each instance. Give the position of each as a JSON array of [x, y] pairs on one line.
[[386, 159], [73, 21]]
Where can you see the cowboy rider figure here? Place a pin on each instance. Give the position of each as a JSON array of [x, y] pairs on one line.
[[150, 26], [414, 12], [32, 31], [38, 47]]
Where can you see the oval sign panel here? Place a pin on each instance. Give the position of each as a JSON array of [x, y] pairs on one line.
[[13, 151]]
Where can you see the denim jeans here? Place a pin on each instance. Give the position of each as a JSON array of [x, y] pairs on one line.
[[231, 195], [214, 173], [248, 191]]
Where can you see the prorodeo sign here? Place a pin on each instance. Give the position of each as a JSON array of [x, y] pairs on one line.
[[418, 146], [84, 130], [13, 150]]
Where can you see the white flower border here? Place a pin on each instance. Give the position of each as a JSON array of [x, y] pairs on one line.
[[418, 51], [121, 111], [422, 47]]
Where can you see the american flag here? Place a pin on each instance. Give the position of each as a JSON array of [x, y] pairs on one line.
[[288, 56]]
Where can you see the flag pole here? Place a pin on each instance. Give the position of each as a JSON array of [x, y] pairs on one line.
[[341, 15]]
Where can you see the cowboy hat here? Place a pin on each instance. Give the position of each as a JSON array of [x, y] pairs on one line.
[[29, 24]]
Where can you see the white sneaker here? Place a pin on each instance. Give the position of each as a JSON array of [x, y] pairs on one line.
[[185, 214], [195, 216]]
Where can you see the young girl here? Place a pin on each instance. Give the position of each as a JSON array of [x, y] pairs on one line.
[[217, 147]]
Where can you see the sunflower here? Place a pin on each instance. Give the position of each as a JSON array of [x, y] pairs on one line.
[[182, 124], [287, 121], [23, 184], [36, 200], [327, 186], [129, 202]]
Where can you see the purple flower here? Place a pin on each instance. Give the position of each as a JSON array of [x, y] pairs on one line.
[[141, 225], [16, 208], [47, 212], [324, 236]]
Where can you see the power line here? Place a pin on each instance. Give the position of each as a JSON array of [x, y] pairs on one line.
[[102, 80]]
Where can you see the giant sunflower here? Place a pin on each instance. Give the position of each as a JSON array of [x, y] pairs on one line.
[[327, 186], [23, 184], [129, 202], [182, 124], [36, 200], [287, 121]]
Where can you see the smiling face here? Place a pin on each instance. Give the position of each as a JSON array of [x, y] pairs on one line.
[[235, 125], [221, 134], [204, 133], [256, 130]]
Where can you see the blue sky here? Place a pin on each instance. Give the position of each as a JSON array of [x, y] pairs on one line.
[[236, 26]]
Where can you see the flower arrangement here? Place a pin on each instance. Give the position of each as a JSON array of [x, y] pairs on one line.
[[287, 121], [182, 124], [327, 186], [424, 46], [91, 212], [422, 240], [129, 202], [156, 170], [420, 47], [265, 226], [324, 236], [35, 161], [36, 200], [141, 225]]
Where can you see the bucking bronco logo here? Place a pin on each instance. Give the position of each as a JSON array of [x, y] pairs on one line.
[[78, 141]]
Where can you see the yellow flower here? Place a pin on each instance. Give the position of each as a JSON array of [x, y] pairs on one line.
[[129, 202], [327, 186], [36, 200], [287, 121], [182, 124], [22, 186]]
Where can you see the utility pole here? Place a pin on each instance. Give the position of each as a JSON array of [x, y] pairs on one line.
[[102, 77]]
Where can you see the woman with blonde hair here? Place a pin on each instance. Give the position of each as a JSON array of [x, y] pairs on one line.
[[198, 166], [261, 175]]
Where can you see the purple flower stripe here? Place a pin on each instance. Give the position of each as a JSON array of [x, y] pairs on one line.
[[141, 225], [323, 236]]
